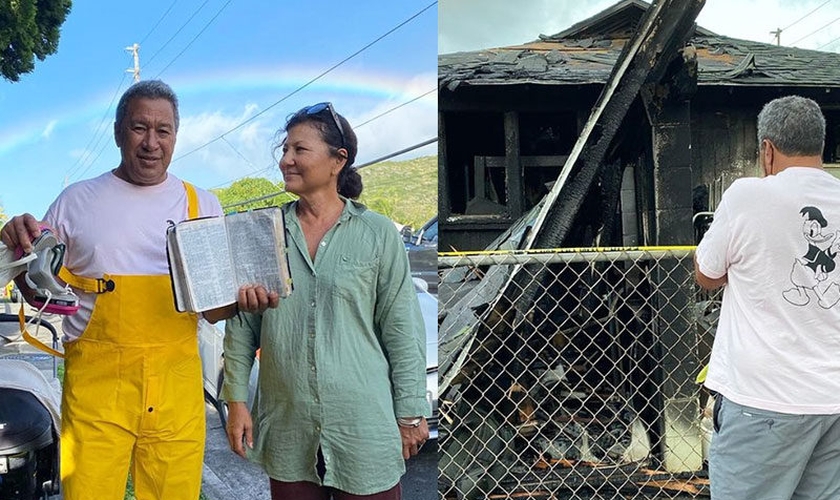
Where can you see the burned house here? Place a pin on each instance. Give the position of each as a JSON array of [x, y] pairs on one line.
[[571, 374], [510, 116]]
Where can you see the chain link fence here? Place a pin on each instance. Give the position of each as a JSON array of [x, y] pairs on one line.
[[571, 374]]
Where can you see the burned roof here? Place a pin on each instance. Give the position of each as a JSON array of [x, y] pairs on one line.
[[586, 52], [621, 18]]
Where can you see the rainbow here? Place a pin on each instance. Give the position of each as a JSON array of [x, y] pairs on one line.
[[280, 81]]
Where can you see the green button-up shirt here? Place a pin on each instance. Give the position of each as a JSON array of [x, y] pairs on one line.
[[341, 358]]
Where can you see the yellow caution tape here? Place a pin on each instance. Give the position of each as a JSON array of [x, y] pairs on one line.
[[537, 251], [701, 377]]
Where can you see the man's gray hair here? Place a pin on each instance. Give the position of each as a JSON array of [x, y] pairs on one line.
[[794, 124], [147, 89]]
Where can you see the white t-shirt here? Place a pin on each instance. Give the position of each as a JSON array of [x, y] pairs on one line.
[[115, 227], [777, 239]]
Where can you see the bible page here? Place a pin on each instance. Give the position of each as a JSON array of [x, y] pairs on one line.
[[207, 262], [258, 249]]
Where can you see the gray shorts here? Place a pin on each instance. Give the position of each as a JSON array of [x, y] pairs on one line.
[[763, 455]]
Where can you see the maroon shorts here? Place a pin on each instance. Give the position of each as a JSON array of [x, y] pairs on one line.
[[304, 490]]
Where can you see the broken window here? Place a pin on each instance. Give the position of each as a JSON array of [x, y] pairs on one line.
[[480, 170], [471, 135], [546, 140]]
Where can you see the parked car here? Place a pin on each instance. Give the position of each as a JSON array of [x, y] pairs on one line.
[[429, 309], [211, 337], [422, 247], [211, 348]]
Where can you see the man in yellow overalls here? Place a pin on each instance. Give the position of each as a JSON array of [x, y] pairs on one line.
[[132, 395]]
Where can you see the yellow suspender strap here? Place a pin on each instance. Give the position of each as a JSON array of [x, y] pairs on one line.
[[90, 285], [100, 285], [192, 201], [32, 340]]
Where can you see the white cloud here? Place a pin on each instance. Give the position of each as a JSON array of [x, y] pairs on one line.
[[203, 157], [400, 129], [247, 151], [220, 160], [48, 130], [419, 84], [76, 153]]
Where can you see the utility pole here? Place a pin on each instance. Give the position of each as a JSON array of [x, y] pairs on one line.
[[778, 34], [135, 50]]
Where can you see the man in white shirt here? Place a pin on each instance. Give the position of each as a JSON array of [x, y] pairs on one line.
[[132, 394], [775, 363]]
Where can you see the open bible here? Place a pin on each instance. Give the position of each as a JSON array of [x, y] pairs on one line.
[[211, 258]]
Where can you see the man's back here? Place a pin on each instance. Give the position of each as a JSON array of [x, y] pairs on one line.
[[777, 239]]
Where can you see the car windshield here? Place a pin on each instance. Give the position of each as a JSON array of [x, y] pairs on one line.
[[430, 232]]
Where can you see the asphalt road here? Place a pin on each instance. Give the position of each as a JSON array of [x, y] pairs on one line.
[[420, 480], [228, 476]]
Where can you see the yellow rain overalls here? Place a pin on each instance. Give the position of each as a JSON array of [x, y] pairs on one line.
[[133, 393]]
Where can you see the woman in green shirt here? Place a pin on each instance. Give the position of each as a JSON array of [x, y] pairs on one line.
[[341, 396]]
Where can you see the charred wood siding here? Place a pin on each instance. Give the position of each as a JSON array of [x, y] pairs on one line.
[[723, 149]]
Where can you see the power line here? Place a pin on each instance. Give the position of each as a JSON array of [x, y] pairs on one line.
[[310, 82], [178, 31], [397, 153], [158, 22], [380, 115], [207, 25], [806, 15], [829, 43], [252, 173], [98, 154], [246, 160], [373, 162], [97, 133], [816, 31]]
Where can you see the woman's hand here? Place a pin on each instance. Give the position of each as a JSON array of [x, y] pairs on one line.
[[240, 428], [413, 438], [256, 299], [220, 313]]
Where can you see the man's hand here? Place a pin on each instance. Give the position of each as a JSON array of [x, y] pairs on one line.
[[413, 438], [240, 428], [20, 231], [256, 299]]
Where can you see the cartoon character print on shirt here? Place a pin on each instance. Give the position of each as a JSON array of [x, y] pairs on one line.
[[813, 273]]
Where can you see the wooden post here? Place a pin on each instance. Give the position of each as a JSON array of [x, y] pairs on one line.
[[443, 179], [513, 166]]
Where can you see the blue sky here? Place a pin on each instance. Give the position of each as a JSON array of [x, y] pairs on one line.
[[227, 61]]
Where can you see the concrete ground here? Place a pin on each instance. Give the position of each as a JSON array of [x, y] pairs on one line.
[[227, 476]]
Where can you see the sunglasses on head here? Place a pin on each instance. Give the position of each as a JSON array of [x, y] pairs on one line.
[[321, 106]]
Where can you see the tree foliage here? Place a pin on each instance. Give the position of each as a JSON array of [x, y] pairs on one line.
[[250, 189], [29, 29], [384, 206], [405, 191]]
